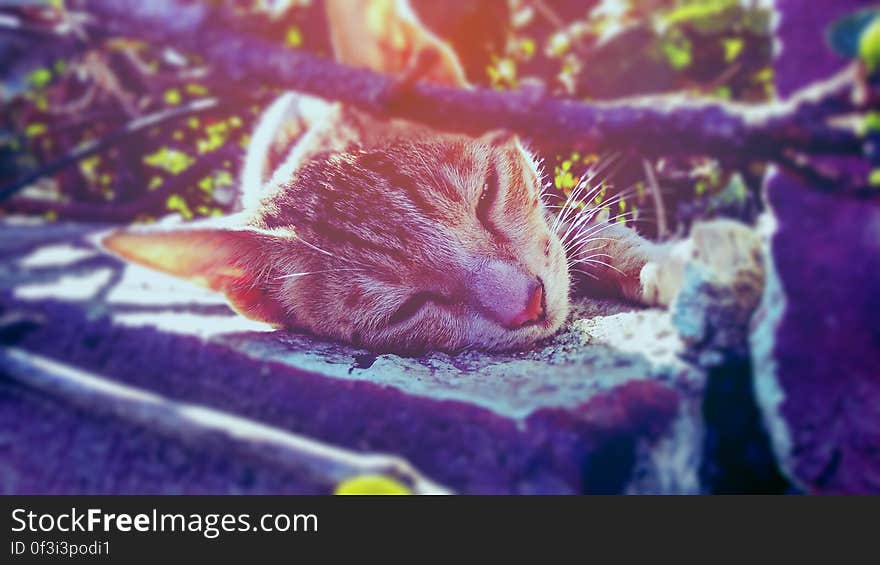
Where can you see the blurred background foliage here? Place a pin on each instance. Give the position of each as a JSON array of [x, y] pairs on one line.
[[59, 93]]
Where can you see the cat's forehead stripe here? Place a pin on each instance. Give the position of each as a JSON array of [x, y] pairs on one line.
[[401, 180]]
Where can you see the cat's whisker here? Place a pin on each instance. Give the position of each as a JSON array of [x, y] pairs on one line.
[[583, 272], [314, 247], [569, 250], [572, 202], [583, 217], [604, 164], [621, 195], [581, 242], [590, 239], [560, 214], [603, 225], [328, 254], [576, 260], [296, 275], [587, 235], [593, 256], [589, 215], [576, 198], [598, 262]]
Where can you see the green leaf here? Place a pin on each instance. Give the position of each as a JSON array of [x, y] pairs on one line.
[[176, 203], [170, 160], [527, 47], [845, 34], [869, 46], [40, 77], [172, 97], [723, 92], [872, 123], [697, 11], [293, 37], [678, 53], [732, 48], [34, 130]]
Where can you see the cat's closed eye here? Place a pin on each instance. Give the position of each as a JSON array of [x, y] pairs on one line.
[[488, 198], [412, 305]]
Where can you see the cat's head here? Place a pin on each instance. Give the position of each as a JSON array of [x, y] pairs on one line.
[[410, 239], [432, 241]]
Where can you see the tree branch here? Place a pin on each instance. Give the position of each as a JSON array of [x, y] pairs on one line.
[[650, 126], [152, 201]]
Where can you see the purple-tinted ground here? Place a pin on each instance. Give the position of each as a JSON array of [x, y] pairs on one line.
[[816, 346], [595, 410]]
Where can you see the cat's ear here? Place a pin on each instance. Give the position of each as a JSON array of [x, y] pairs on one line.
[[387, 36], [282, 125], [234, 260], [509, 141]]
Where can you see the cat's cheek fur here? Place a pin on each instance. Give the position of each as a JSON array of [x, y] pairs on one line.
[[257, 304], [431, 328]]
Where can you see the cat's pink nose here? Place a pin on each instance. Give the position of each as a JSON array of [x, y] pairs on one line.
[[508, 295], [533, 312]]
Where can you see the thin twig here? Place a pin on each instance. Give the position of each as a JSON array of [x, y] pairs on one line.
[[659, 207], [551, 16], [113, 212]]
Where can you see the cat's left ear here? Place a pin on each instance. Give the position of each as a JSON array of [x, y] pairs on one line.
[[500, 138], [387, 36], [237, 261]]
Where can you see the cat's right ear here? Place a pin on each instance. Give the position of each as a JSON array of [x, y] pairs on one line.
[[387, 36], [237, 261]]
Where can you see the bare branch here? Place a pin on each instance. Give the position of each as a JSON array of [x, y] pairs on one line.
[[112, 212], [659, 206], [648, 126]]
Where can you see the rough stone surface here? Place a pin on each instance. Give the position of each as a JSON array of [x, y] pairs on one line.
[[607, 405], [722, 286], [816, 341]]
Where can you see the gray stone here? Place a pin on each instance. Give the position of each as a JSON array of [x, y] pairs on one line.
[[722, 286]]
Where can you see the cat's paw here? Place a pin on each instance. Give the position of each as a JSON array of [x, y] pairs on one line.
[[725, 253], [730, 255], [661, 278]]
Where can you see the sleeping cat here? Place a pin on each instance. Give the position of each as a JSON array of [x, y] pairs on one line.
[[397, 237]]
